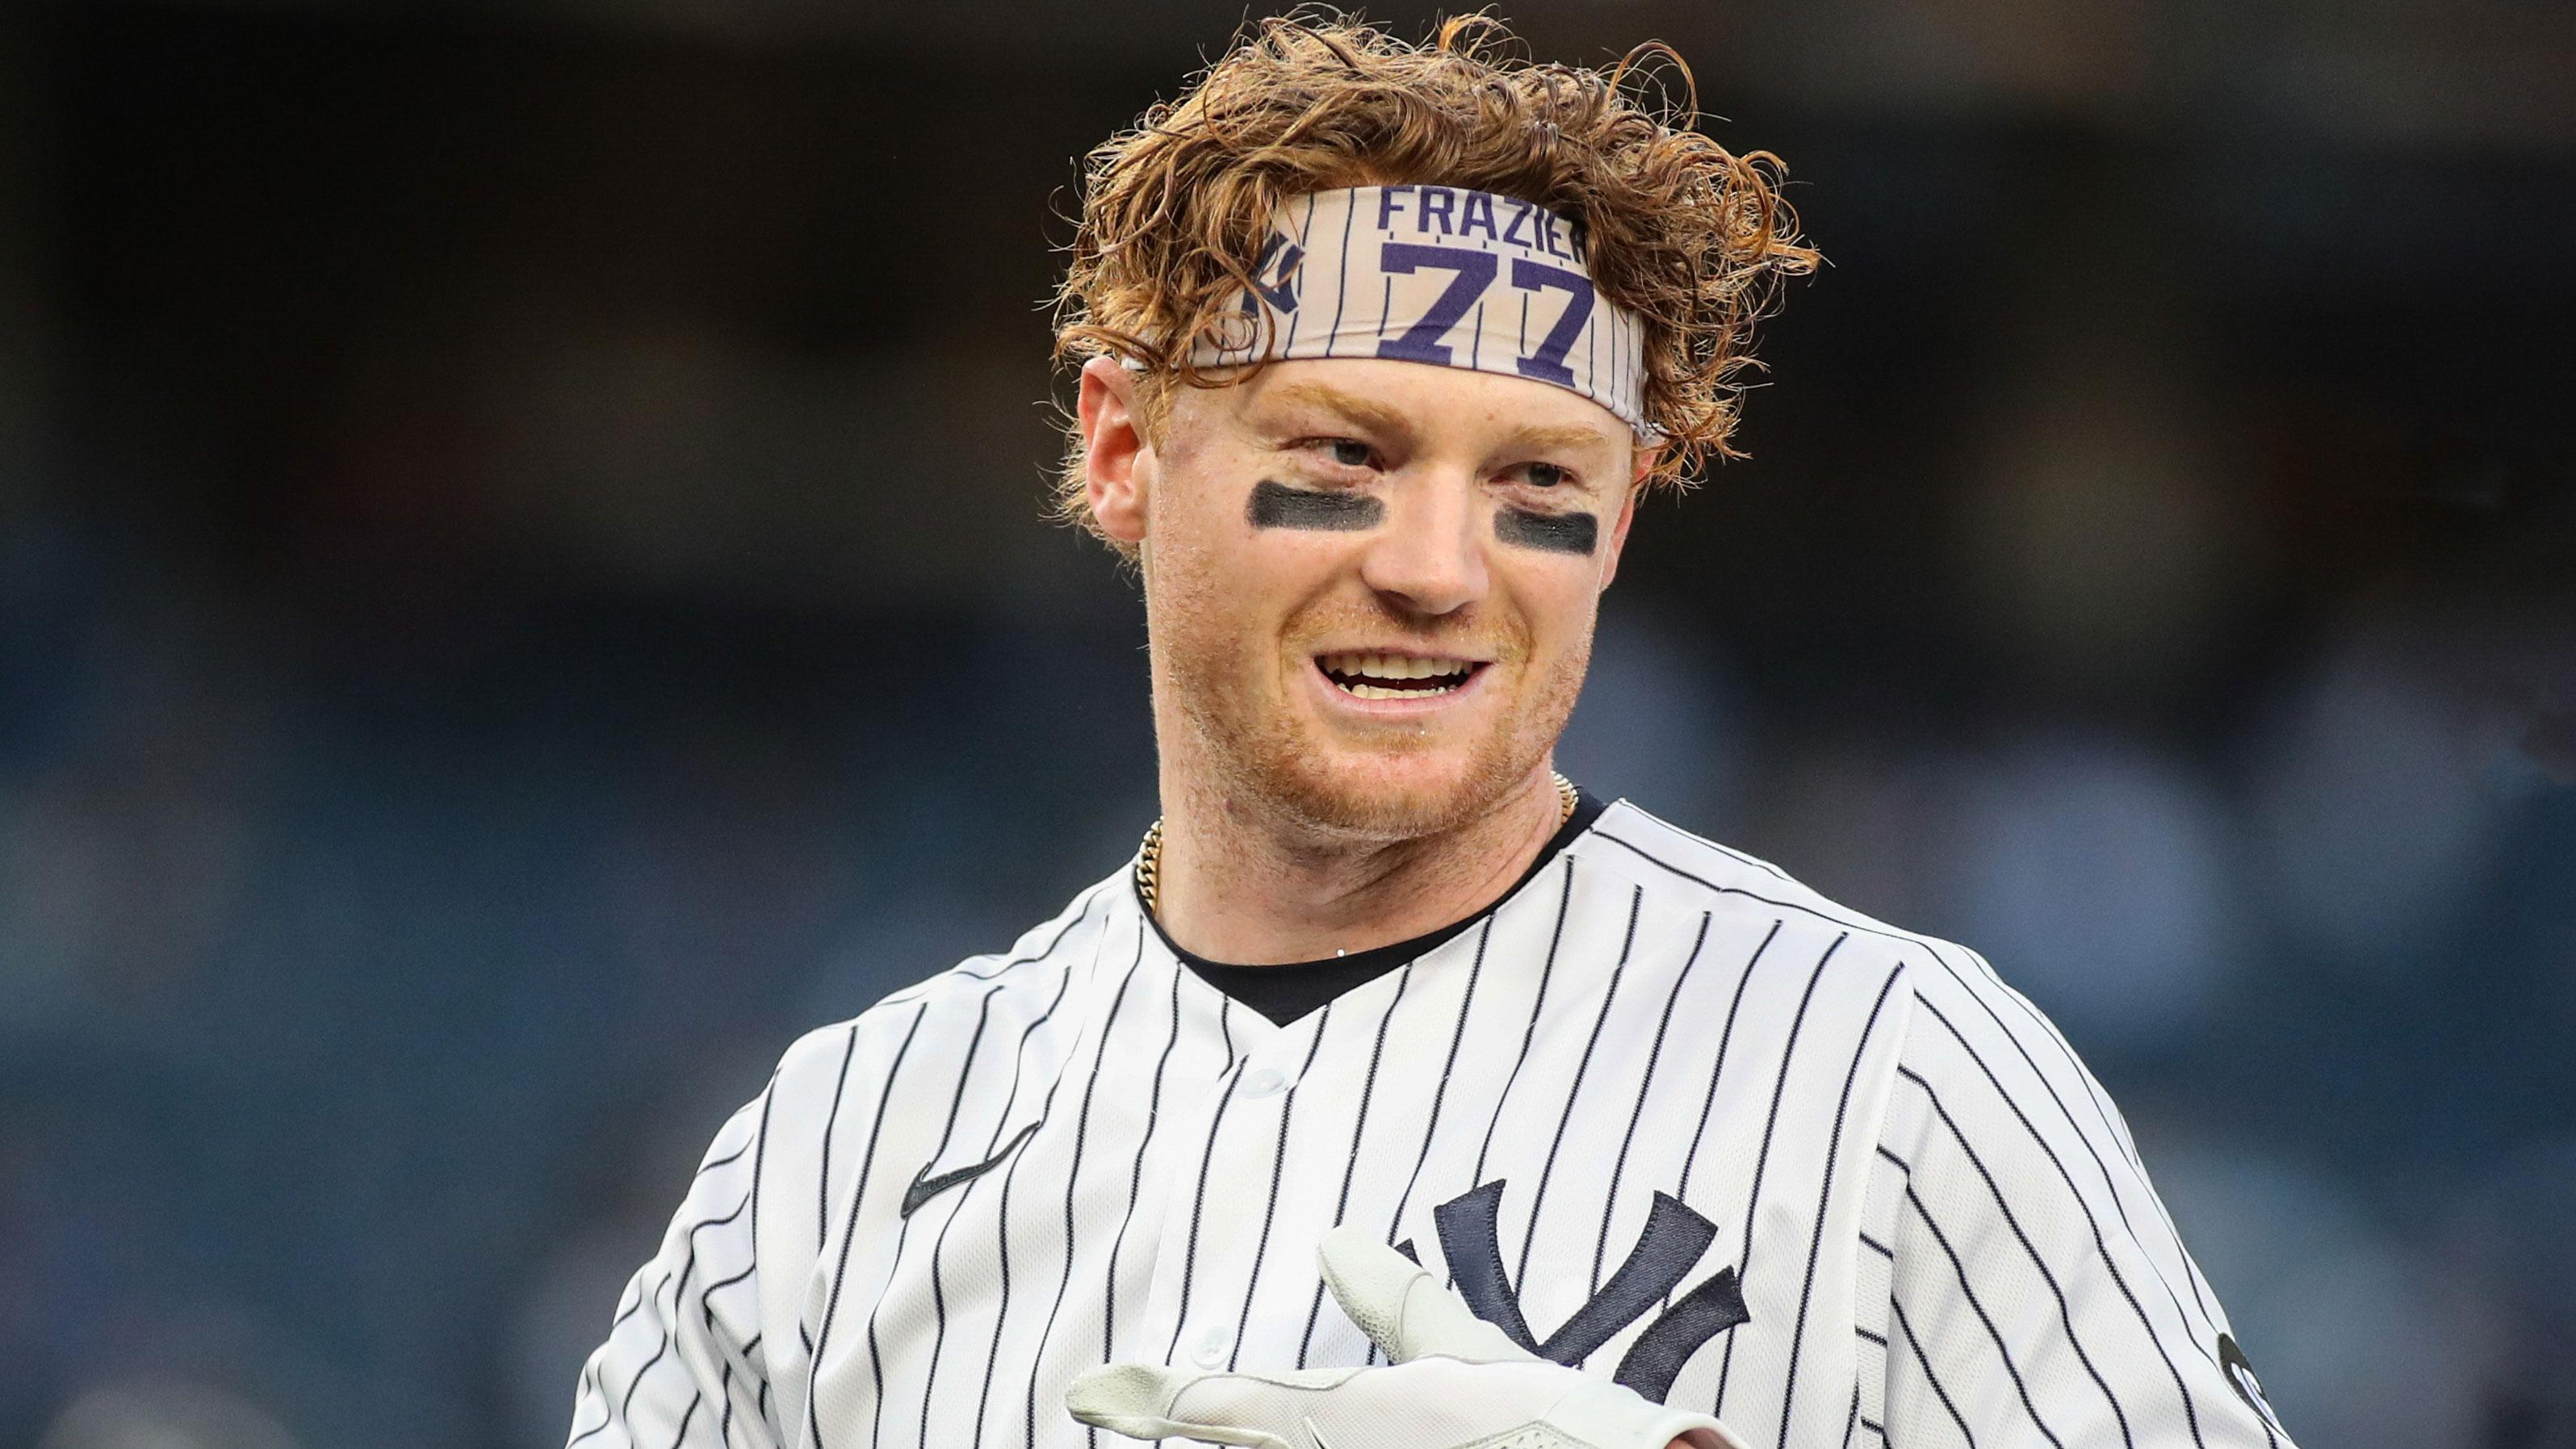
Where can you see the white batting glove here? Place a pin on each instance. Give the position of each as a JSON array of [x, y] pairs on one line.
[[1452, 1380]]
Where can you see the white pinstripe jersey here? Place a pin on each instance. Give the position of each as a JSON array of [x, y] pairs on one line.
[[1663, 1113]]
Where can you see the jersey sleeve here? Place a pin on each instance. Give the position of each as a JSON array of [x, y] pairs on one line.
[[683, 1364], [2036, 1292]]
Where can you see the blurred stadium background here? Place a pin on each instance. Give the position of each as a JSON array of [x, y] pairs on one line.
[[522, 586]]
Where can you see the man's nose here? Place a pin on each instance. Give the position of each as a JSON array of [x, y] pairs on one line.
[[1429, 557]]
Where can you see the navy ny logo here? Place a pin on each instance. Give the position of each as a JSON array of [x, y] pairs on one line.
[[1274, 277], [1673, 1240]]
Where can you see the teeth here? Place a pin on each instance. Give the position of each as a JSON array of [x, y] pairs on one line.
[[1380, 691], [1391, 666]]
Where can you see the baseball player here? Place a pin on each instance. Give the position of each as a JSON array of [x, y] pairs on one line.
[[1398, 1094]]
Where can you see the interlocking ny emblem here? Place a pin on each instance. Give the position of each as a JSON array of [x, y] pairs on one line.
[[1274, 276], [1673, 1240]]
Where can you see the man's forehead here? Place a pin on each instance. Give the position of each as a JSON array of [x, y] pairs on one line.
[[1411, 400]]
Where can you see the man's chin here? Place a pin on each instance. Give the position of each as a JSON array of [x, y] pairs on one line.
[[1389, 800]]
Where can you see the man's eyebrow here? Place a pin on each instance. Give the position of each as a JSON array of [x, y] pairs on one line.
[[1384, 419], [1573, 436], [1357, 409]]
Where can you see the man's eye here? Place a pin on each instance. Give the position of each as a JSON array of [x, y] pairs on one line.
[[1349, 452], [1544, 475]]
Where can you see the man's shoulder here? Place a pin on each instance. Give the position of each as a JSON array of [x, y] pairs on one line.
[[1666, 857], [1021, 982]]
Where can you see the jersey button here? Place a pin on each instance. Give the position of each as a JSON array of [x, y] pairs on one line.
[[1209, 1351], [1262, 1081]]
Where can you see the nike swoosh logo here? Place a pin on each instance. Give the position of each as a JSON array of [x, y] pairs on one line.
[[925, 1187]]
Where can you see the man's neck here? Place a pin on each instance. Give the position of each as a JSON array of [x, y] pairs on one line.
[[1238, 887]]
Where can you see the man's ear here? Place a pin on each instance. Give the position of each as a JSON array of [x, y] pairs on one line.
[[1627, 513], [1112, 442]]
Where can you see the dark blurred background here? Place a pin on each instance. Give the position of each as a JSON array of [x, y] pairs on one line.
[[522, 586]]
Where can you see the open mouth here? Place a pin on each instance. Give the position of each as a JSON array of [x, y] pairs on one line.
[[1395, 676]]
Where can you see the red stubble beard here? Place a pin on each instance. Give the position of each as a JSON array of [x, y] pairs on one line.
[[1267, 751]]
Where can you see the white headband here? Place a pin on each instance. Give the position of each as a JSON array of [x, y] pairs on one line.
[[1441, 275]]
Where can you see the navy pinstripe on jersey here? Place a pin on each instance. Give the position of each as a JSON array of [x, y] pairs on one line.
[[1663, 1113]]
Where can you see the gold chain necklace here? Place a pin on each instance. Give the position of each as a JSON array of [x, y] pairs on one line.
[[1149, 859]]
